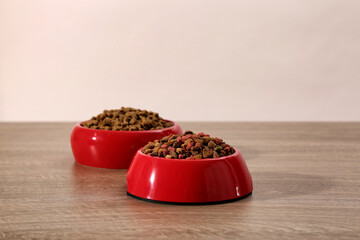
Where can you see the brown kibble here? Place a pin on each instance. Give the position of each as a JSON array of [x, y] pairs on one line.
[[146, 124], [207, 153], [133, 128], [147, 151], [176, 144], [163, 152], [194, 153], [215, 155], [127, 119], [211, 144], [156, 149], [188, 141], [108, 121], [196, 148], [172, 137], [132, 121], [171, 142], [168, 156], [173, 154], [150, 145], [101, 116], [206, 139], [154, 153]]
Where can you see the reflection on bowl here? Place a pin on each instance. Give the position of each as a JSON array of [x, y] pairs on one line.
[[189, 181], [112, 149]]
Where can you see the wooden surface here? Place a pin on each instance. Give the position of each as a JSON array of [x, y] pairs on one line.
[[306, 185]]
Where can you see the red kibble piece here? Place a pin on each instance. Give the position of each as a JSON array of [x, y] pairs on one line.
[[171, 149], [188, 147], [198, 145], [181, 156], [188, 136], [178, 139], [164, 146], [227, 149], [165, 152], [201, 134], [218, 140]]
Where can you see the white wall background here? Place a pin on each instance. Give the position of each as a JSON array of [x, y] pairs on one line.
[[188, 60]]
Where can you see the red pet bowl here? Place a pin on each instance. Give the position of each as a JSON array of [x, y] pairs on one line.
[[112, 149], [189, 181]]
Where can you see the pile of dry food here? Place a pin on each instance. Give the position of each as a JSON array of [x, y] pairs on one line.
[[127, 119], [188, 146]]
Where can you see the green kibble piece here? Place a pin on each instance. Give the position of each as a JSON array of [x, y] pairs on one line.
[[218, 149]]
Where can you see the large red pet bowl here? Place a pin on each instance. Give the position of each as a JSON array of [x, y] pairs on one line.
[[189, 181], [112, 149]]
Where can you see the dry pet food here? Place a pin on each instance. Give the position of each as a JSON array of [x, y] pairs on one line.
[[188, 146], [127, 119]]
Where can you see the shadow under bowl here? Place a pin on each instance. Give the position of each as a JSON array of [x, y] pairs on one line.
[[112, 149], [189, 181]]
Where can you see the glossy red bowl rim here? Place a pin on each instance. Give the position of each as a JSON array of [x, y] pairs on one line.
[[130, 132], [237, 152]]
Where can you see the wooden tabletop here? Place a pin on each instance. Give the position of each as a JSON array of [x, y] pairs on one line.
[[306, 185]]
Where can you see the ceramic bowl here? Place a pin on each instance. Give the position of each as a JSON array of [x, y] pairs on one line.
[[189, 181], [112, 149]]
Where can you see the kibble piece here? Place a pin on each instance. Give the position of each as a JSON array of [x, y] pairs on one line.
[[150, 145], [148, 151], [218, 148], [211, 144], [206, 153], [173, 154]]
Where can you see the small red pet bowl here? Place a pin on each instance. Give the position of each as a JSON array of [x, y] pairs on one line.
[[112, 149], [189, 181]]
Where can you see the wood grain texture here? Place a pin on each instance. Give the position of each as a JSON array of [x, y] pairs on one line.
[[306, 185]]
